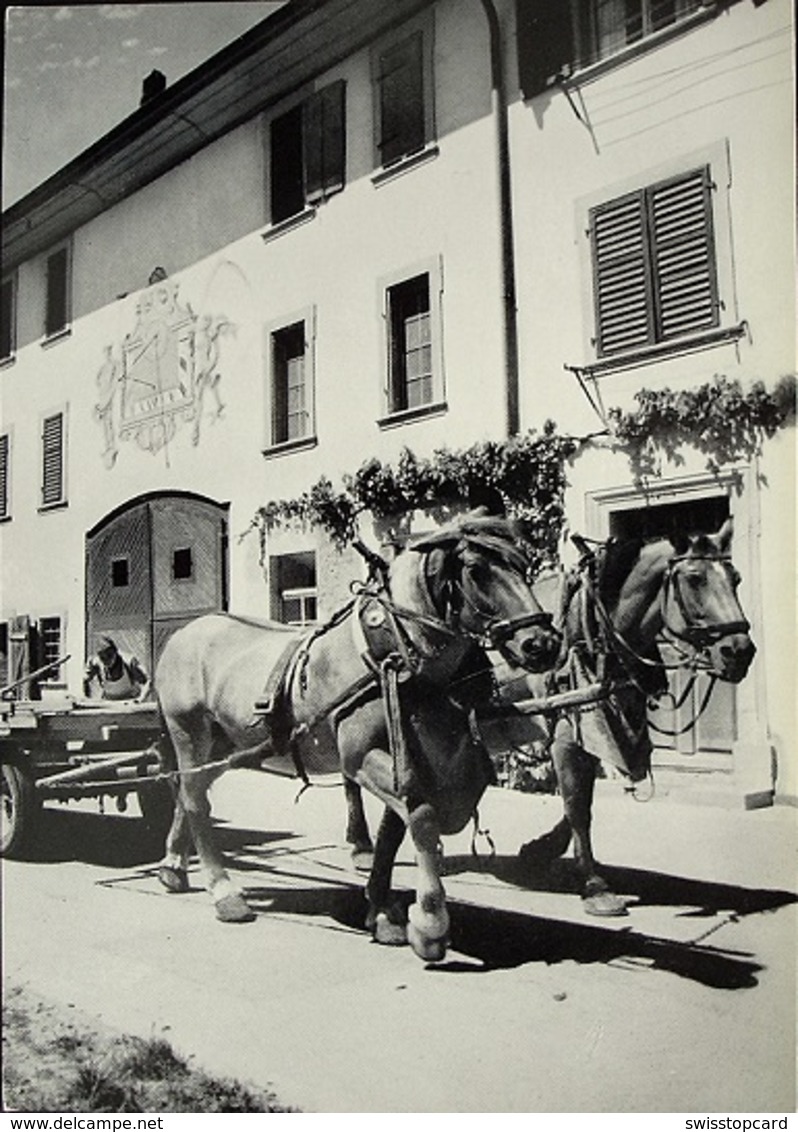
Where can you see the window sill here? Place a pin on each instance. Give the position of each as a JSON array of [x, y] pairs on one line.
[[662, 350], [8, 362], [6, 518], [288, 446], [60, 505], [405, 164], [407, 416], [288, 225], [649, 43], [56, 336]]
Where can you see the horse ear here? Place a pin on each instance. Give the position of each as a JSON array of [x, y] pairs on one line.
[[724, 535], [435, 540], [680, 541]]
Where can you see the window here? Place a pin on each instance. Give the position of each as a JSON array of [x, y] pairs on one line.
[[120, 573], [8, 318], [557, 37], [290, 364], [294, 592], [410, 356], [5, 460], [654, 268], [403, 95], [50, 644], [182, 564], [4, 655], [57, 312], [307, 150], [53, 486]]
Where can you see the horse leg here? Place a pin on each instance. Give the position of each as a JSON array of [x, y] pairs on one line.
[[384, 920], [576, 774], [357, 830], [541, 852], [193, 751], [173, 869], [428, 918]]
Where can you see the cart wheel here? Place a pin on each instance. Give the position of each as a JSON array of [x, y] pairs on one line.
[[157, 805], [20, 809]]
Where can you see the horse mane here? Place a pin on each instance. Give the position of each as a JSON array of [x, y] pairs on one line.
[[616, 563]]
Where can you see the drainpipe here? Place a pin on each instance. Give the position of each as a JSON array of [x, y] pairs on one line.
[[499, 109]]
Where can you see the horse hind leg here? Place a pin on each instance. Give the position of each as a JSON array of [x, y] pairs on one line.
[[195, 748], [576, 774], [385, 920], [357, 830]]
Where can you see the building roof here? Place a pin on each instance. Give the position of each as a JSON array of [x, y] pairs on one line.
[[277, 56]]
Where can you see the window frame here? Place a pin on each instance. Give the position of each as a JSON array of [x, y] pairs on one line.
[[306, 317], [320, 169], [423, 27], [279, 593], [728, 326], [54, 676], [389, 414], [11, 280], [63, 497], [54, 332]]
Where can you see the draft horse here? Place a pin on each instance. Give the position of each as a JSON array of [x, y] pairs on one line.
[[617, 607], [391, 680]]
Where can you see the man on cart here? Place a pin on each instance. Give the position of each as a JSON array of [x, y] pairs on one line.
[[117, 677]]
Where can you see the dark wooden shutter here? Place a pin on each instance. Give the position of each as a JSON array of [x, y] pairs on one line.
[[401, 79], [545, 43], [7, 319], [4, 458], [287, 180], [57, 314], [680, 219], [53, 459], [4, 476], [324, 142], [621, 275]]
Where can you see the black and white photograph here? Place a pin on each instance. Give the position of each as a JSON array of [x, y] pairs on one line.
[[398, 562]]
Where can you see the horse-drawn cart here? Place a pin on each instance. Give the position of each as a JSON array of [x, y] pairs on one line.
[[61, 748]]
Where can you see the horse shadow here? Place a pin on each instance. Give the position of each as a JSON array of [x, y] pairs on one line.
[[118, 841], [490, 939]]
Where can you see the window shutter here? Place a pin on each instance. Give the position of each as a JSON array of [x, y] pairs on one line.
[[545, 43], [324, 141], [4, 476], [680, 218], [287, 186], [56, 316], [53, 459], [621, 275], [7, 319], [402, 99]]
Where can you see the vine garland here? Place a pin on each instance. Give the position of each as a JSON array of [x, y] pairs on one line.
[[528, 470]]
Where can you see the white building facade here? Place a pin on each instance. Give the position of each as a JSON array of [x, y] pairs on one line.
[[364, 227]]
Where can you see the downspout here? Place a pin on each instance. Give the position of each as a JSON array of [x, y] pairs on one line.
[[499, 110]]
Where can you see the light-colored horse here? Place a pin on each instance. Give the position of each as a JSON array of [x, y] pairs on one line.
[[388, 680], [617, 607], [615, 610]]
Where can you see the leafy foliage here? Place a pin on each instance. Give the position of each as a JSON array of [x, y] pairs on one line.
[[528, 471], [717, 418]]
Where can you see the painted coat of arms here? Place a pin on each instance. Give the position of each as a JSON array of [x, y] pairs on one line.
[[161, 374]]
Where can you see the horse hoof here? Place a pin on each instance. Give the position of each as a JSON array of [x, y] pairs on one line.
[[386, 932], [605, 904], [173, 879], [362, 859], [428, 933], [233, 909]]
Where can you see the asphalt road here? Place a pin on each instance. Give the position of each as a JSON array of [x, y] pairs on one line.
[[686, 1005]]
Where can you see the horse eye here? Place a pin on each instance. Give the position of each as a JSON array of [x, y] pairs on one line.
[[478, 570], [695, 581]]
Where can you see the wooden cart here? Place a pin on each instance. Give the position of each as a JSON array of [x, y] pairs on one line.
[[63, 748]]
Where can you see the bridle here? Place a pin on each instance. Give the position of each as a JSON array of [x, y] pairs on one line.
[[699, 636]]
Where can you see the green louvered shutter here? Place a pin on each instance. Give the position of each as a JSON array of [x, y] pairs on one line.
[[4, 453], [53, 459], [622, 275], [324, 142], [680, 219]]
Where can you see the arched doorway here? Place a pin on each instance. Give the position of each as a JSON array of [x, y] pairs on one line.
[[153, 565]]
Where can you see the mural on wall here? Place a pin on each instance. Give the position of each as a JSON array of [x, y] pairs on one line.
[[164, 373]]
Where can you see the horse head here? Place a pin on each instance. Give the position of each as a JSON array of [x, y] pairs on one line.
[[476, 576], [700, 607]]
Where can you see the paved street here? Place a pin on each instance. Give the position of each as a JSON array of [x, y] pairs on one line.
[[688, 1004]]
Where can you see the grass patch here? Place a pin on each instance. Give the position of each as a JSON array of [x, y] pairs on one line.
[[56, 1060]]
